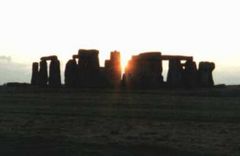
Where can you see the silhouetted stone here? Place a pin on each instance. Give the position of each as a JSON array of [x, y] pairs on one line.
[[175, 73], [124, 81], [205, 74], [145, 71], [129, 74], [190, 74], [88, 69], [43, 74], [54, 73], [88, 59], [180, 74], [49, 58], [54, 79], [71, 73], [176, 57], [34, 79], [87, 73], [113, 69]]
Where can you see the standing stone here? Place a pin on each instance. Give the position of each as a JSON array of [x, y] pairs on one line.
[[116, 67], [88, 59], [124, 81], [130, 72], [113, 69], [150, 70], [144, 71], [54, 73], [43, 74], [34, 79], [175, 73], [71, 73], [205, 74], [190, 74], [89, 68]]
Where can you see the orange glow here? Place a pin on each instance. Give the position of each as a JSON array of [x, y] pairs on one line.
[[124, 62]]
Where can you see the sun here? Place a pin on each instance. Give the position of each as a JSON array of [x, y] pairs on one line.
[[124, 62]]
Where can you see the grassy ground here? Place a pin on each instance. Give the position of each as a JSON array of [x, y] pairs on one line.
[[113, 122]]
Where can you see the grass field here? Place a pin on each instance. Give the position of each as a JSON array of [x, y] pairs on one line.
[[119, 122]]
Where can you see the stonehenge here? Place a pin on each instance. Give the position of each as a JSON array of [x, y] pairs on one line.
[[34, 80], [40, 77], [88, 68], [190, 74], [181, 74], [43, 74], [113, 69], [175, 73], [84, 71], [88, 59], [143, 71], [54, 73], [71, 73], [205, 74]]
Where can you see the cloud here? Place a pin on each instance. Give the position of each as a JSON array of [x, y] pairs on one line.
[[5, 58], [13, 72], [228, 75]]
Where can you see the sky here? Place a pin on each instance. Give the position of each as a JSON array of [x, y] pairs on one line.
[[209, 30]]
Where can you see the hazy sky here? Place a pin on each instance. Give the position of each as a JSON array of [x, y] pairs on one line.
[[207, 29]]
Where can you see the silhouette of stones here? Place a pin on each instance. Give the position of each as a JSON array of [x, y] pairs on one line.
[[130, 73], [144, 71], [175, 73], [205, 74], [49, 58], [88, 59], [113, 69], [88, 65], [54, 73], [41, 77], [124, 81], [180, 74], [43, 74], [34, 79], [71, 73], [190, 74], [87, 73]]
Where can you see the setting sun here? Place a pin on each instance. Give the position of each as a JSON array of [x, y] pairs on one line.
[[124, 62]]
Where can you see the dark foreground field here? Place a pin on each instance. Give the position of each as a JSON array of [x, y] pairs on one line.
[[110, 122]]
